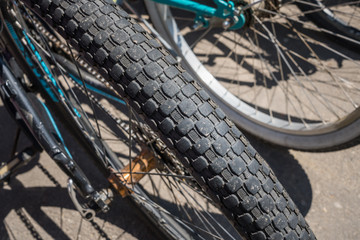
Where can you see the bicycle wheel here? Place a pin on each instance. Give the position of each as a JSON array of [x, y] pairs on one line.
[[116, 137], [196, 137], [341, 17], [278, 77], [95, 134]]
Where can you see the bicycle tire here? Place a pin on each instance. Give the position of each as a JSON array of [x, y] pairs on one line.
[[273, 91], [84, 137], [323, 14], [218, 156]]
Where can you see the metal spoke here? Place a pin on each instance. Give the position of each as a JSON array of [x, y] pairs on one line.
[[308, 25], [160, 174], [202, 36], [198, 214], [301, 116], [208, 214], [276, 43]]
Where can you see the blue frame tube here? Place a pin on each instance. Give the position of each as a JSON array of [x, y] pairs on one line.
[[224, 10], [189, 5]]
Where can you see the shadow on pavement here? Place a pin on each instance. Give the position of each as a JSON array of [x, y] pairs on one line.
[[29, 202], [288, 171], [35, 199], [32, 199]]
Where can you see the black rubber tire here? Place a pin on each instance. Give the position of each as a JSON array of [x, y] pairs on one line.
[[208, 144], [325, 19]]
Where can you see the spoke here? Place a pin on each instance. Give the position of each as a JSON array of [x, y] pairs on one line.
[[332, 75], [207, 213], [277, 45], [346, 13], [200, 37], [184, 19], [283, 78], [67, 101], [122, 125], [273, 76], [352, 15], [192, 225], [260, 89], [161, 174], [252, 4], [130, 147], [79, 229], [86, 90], [239, 64], [63, 97], [322, 99], [264, 80], [307, 24], [202, 219], [181, 190], [301, 116], [171, 187], [155, 190], [214, 45], [325, 102], [327, 96]]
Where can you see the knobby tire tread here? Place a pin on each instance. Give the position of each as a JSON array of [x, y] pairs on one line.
[[208, 144]]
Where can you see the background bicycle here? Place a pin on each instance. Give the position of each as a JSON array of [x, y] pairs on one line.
[[281, 77]]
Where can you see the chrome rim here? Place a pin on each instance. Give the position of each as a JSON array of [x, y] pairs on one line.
[[281, 73]]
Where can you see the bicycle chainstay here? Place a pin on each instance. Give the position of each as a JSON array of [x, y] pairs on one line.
[[140, 131]]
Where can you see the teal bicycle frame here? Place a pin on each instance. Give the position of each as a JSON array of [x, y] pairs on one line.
[[225, 10]]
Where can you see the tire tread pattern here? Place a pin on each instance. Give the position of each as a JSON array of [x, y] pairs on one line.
[[215, 152]]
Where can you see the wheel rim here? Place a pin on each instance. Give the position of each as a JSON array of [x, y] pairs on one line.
[[300, 63]]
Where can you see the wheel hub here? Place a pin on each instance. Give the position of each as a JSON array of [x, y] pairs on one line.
[[259, 8]]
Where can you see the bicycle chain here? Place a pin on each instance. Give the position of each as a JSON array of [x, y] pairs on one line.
[[143, 133]]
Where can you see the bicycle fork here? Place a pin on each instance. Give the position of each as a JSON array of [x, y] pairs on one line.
[[35, 119]]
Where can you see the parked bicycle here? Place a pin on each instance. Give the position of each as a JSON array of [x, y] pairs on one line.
[[182, 147], [276, 74]]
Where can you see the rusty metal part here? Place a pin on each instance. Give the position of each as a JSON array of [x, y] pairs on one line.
[[133, 172]]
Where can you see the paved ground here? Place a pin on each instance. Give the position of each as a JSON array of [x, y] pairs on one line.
[[325, 186]]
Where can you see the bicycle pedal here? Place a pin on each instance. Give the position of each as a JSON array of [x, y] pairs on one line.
[[4, 174], [21, 159]]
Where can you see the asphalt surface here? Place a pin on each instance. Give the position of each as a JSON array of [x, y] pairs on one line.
[[35, 205]]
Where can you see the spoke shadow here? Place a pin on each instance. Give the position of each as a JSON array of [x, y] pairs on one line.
[[33, 200], [28, 203], [290, 36], [286, 167]]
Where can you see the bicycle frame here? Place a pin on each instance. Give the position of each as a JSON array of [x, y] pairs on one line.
[[224, 10], [37, 122], [35, 119]]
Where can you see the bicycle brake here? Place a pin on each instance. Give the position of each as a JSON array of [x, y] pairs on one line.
[[99, 201]]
